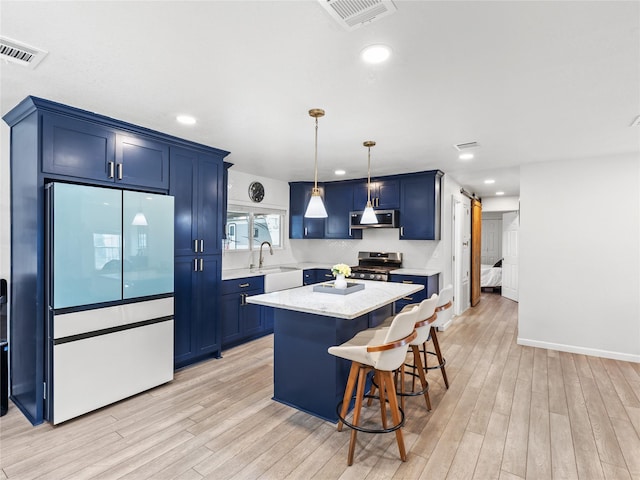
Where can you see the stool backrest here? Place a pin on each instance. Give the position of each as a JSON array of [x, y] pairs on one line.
[[446, 298], [401, 327], [426, 310]]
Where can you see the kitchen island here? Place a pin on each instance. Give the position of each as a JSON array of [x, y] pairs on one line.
[[307, 323]]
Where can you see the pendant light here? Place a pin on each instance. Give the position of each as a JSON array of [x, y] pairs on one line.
[[316, 209], [368, 216]]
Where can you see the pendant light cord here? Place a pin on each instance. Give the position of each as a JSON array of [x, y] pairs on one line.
[[369, 176], [315, 179]]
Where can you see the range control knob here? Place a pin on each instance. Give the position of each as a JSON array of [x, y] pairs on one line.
[[372, 276]]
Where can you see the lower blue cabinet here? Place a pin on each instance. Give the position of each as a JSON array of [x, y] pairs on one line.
[[431, 286], [242, 321]]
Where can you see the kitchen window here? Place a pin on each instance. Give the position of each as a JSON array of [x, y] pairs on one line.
[[246, 228]]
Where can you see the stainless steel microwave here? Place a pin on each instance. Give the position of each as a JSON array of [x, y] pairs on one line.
[[386, 219]]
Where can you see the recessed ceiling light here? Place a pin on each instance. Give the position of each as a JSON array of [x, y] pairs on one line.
[[465, 156], [375, 53], [186, 119], [499, 193], [340, 172], [489, 181]]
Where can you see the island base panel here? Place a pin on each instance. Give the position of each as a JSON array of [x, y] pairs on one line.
[[306, 376]]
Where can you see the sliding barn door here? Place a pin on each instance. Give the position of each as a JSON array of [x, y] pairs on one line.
[[476, 236]]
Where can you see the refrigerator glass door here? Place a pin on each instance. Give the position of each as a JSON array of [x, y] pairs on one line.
[[87, 245], [148, 244]]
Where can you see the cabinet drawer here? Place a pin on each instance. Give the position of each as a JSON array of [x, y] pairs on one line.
[[240, 285]]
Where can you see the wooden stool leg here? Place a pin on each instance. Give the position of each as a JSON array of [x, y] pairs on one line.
[[356, 413], [348, 391], [436, 345], [423, 379], [395, 412], [383, 401]]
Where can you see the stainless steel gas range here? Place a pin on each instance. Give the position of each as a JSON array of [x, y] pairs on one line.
[[376, 265]]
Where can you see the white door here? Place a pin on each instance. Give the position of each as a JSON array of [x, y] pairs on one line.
[[510, 226], [462, 256], [491, 241]]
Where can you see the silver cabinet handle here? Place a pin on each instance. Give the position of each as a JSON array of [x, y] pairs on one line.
[[407, 281], [243, 285], [195, 264], [201, 265], [119, 171], [328, 275], [402, 231], [201, 246], [111, 169], [305, 231], [195, 246]]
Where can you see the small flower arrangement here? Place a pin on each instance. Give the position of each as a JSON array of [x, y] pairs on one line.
[[341, 269]]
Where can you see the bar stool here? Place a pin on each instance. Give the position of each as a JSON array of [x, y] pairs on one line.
[[444, 312], [381, 351], [426, 316]]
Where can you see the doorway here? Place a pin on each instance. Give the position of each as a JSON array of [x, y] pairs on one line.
[[461, 255], [510, 249]]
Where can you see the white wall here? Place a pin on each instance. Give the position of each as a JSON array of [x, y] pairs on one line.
[[276, 197], [580, 257], [500, 204]]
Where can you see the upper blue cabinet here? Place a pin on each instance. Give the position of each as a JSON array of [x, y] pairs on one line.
[[420, 204], [385, 194], [83, 149]]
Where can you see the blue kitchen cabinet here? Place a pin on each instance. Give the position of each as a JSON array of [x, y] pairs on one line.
[[309, 276], [54, 142], [197, 185], [242, 321], [299, 226], [324, 275], [196, 323], [385, 194], [431, 286], [75, 147], [338, 199], [420, 204]]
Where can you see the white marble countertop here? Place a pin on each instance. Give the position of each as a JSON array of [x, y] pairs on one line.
[[304, 299], [233, 273]]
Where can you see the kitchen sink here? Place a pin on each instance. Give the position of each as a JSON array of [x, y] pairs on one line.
[[280, 278]]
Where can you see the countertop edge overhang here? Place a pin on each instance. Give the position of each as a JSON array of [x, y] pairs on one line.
[[234, 273], [353, 305]]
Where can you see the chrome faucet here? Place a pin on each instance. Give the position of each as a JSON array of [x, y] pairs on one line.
[[261, 261]]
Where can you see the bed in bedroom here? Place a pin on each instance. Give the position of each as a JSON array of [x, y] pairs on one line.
[[491, 275]]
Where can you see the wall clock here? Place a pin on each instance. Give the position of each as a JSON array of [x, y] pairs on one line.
[[256, 191]]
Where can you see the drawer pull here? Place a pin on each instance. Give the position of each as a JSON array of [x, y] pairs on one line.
[[244, 285], [407, 298], [328, 275], [407, 281]]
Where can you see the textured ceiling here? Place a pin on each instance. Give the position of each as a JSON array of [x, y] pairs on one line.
[[529, 81]]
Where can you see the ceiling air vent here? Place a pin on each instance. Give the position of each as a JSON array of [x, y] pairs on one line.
[[20, 53], [352, 14], [464, 146]]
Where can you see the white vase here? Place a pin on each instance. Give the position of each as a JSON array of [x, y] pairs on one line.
[[340, 281]]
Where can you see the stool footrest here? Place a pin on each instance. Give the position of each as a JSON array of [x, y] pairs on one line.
[[371, 430]]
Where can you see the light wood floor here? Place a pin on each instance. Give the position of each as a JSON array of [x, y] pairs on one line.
[[511, 412]]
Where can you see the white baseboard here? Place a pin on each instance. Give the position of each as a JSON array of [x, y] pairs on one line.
[[594, 352], [444, 326]]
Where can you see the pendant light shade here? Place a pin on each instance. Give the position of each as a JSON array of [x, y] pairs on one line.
[[368, 216], [316, 209]]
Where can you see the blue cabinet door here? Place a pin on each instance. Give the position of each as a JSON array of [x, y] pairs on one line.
[[299, 226], [210, 177], [309, 276], [338, 201], [208, 298], [420, 207], [197, 185], [196, 308], [431, 286], [185, 311], [385, 194], [77, 148], [240, 320], [141, 161]]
